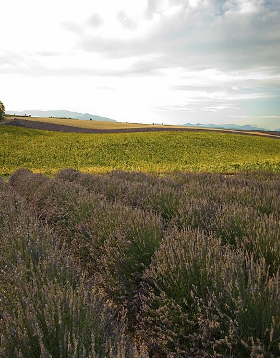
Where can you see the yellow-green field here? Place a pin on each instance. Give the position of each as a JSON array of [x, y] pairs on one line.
[[47, 152]]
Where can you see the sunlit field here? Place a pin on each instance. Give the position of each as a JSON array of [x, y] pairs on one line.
[[160, 152]]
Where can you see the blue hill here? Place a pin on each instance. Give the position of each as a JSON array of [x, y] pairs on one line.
[[246, 127], [61, 114]]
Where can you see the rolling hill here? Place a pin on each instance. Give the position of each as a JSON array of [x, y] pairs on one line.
[[61, 114], [246, 127], [160, 152]]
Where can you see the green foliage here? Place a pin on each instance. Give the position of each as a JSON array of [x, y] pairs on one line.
[[2, 110], [48, 152]]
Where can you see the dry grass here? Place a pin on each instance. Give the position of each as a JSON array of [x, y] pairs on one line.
[[87, 124], [121, 125]]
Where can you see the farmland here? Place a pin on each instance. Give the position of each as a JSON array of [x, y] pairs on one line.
[[133, 265], [84, 123], [160, 152], [156, 244]]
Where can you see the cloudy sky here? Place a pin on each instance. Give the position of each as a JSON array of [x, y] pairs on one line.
[[162, 61]]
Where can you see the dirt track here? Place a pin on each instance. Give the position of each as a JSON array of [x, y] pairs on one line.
[[68, 129]]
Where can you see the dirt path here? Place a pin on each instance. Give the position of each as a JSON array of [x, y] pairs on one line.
[[68, 129]]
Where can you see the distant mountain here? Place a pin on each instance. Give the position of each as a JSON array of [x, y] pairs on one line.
[[61, 114], [246, 127]]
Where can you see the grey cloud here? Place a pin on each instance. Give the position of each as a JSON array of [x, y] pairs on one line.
[[9, 59], [272, 82], [95, 21], [201, 111], [234, 87], [114, 48], [47, 53], [35, 69], [200, 37], [105, 88], [126, 22], [211, 35], [148, 66], [72, 27], [207, 87], [151, 8], [202, 106]]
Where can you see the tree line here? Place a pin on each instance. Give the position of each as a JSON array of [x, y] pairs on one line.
[[2, 110]]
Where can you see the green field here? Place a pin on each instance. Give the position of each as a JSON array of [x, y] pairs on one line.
[[159, 152]]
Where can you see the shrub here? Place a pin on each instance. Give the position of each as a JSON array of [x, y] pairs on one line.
[[3, 184], [71, 175], [126, 253], [193, 258], [26, 183], [202, 298], [47, 305], [112, 238]]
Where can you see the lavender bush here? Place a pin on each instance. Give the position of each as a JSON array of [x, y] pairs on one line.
[[185, 265]]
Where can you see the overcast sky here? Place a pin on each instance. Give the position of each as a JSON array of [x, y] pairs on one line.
[[170, 61]]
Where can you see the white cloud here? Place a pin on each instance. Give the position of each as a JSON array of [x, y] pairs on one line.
[[171, 56]]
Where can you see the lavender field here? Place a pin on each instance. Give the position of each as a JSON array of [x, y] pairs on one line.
[[134, 265]]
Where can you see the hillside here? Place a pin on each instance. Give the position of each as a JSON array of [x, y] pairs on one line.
[[48, 152], [246, 127], [33, 122], [61, 114]]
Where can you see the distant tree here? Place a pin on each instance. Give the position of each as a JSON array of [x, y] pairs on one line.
[[2, 110]]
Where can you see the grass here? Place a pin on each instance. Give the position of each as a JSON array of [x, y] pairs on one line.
[[160, 152]]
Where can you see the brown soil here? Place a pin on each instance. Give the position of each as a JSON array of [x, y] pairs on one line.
[[68, 129]]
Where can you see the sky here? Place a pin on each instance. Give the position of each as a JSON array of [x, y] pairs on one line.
[[147, 61]]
